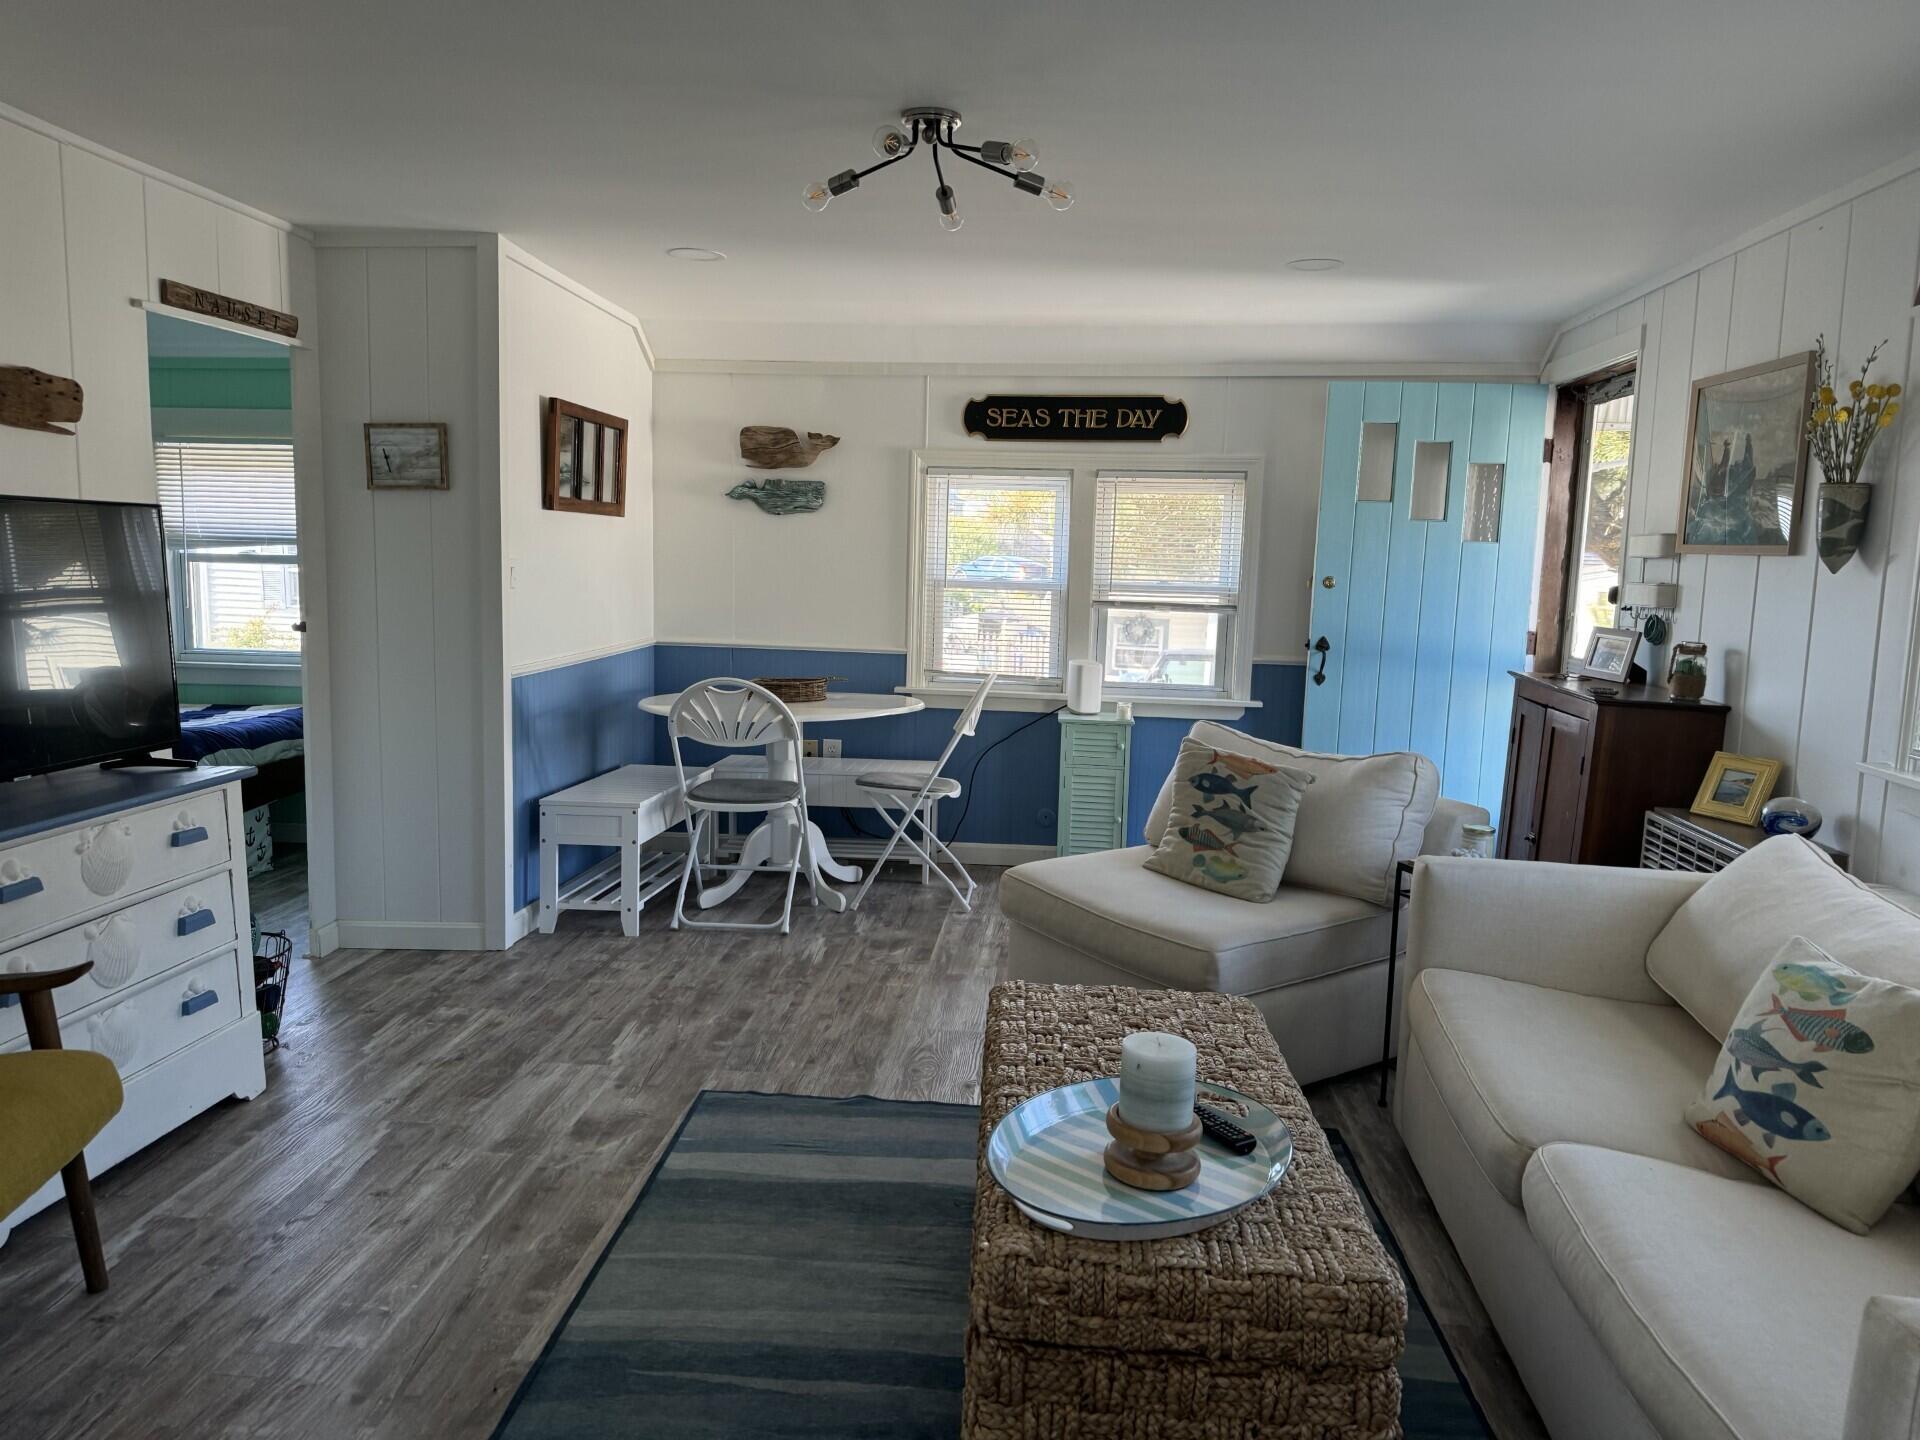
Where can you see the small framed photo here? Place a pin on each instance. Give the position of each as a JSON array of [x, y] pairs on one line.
[[1609, 656], [407, 456], [1735, 787]]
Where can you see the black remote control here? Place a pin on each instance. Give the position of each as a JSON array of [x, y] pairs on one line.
[[1240, 1142]]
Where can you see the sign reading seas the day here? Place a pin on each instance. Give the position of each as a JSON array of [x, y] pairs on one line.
[[1076, 417]]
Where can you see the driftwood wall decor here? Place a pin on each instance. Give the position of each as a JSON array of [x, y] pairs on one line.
[[183, 296], [33, 399], [775, 447], [782, 497]]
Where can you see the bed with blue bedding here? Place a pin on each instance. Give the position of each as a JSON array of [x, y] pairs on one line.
[[272, 739]]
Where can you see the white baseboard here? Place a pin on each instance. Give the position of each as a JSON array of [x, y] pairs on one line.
[[408, 935], [984, 853], [323, 940]]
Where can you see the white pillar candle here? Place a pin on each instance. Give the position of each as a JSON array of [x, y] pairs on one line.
[[1156, 1081]]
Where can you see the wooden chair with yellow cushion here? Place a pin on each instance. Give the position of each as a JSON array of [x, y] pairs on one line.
[[52, 1102]]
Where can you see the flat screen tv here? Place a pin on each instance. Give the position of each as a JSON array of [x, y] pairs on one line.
[[88, 642]]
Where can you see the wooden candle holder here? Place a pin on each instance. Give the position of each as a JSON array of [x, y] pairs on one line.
[[1149, 1159]]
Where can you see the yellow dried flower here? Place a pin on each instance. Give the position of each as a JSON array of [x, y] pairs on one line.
[[1885, 421], [1893, 390], [1876, 391], [1826, 394], [1820, 415], [1842, 415], [1893, 410], [1855, 388]]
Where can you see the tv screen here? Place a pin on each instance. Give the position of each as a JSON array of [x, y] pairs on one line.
[[88, 644]]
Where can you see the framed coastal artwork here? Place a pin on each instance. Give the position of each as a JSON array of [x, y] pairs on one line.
[[1746, 459], [1736, 786], [406, 456]]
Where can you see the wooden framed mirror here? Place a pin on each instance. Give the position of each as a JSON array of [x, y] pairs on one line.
[[585, 460]]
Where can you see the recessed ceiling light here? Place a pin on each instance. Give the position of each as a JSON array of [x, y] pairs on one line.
[[694, 252], [1315, 262]]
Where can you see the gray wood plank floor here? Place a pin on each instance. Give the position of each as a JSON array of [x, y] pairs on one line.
[[380, 1244]]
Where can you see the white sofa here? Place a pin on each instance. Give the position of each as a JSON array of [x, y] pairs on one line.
[[1315, 962], [1646, 1283]]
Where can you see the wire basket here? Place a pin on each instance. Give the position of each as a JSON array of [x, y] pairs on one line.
[[796, 689], [272, 969]]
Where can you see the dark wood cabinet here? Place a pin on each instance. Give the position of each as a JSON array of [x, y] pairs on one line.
[[1584, 769]]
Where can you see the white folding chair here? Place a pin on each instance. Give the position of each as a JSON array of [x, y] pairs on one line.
[[912, 795], [736, 715]]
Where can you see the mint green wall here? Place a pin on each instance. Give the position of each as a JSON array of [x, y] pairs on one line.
[[193, 382], [239, 694]]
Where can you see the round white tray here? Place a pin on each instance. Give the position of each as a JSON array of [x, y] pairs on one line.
[[1046, 1154]]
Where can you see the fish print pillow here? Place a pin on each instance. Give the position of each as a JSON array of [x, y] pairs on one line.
[[1818, 1086], [1231, 825]]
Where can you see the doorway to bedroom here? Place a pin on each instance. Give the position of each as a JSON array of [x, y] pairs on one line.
[[223, 452]]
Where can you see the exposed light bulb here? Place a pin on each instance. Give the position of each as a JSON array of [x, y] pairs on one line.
[[951, 222], [1059, 194], [1025, 155], [950, 219], [889, 141], [816, 197]]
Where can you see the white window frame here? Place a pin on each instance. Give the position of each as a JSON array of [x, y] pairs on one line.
[[1082, 637]]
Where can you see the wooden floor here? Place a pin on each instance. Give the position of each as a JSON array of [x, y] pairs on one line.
[[381, 1243]]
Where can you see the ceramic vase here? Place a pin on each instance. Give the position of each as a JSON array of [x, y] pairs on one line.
[[1843, 521]]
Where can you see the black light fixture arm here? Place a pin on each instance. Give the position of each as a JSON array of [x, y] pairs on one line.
[[934, 127], [859, 175]]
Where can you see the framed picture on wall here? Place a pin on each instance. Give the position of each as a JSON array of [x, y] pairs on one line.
[[586, 460], [1746, 459], [406, 456]]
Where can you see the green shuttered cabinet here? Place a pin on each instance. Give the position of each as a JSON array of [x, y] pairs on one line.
[[1093, 782]]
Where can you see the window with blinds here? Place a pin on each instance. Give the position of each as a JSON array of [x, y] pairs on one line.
[[1167, 553], [994, 566], [227, 507]]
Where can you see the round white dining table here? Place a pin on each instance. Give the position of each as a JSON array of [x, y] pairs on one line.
[[772, 840]]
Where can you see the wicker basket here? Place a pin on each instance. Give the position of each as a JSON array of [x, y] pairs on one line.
[[797, 689]]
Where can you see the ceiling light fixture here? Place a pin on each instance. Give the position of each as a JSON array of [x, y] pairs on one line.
[[695, 252], [1315, 262], [934, 126]]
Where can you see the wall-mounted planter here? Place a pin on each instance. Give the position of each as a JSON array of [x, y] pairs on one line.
[[1843, 522]]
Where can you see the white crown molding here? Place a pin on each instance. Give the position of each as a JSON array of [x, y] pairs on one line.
[[362, 238], [1832, 200], [1501, 373], [509, 250], [152, 172]]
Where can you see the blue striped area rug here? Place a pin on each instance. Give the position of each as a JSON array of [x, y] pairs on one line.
[[796, 1268]]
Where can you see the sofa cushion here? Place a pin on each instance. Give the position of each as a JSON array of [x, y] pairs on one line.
[[1521, 1066], [1818, 1086], [1728, 1309], [1110, 905], [1232, 829], [1363, 814], [1713, 950]]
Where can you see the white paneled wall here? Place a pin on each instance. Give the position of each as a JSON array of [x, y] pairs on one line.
[[404, 625], [1814, 664], [837, 578], [83, 236]]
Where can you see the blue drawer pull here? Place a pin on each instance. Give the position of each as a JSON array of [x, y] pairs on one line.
[[21, 889], [192, 836], [194, 1003], [197, 920]]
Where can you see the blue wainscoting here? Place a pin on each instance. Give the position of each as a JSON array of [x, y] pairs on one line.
[[1017, 785], [570, 724]]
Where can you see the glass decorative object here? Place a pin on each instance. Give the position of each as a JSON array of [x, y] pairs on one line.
[[1687, 671], [1790, 815], [1476, 842]]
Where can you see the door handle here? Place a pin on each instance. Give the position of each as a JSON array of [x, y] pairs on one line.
[[1320, 647]]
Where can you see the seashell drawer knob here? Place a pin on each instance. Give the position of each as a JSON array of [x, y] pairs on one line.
[[138, 875]]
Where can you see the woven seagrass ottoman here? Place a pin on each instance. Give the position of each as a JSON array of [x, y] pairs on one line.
[[1284, 1323]]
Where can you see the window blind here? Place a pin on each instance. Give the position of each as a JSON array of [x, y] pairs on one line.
[[995, 551], [1168, 541], [225, 493]]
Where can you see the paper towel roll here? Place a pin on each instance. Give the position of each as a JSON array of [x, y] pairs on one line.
[[1083, 686]]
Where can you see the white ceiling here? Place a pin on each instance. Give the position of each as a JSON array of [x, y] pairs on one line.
[[1486, 168]]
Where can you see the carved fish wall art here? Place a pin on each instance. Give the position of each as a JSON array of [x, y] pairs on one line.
[[782, 497], [775, 447], [33, 399]]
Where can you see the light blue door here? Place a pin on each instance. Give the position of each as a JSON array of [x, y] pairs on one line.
[[1417, 621]]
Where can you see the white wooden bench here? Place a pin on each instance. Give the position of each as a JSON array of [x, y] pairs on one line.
[[624, 809]]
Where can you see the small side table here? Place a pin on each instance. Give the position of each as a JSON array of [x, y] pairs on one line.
[[1402, 890], [1092, 811]]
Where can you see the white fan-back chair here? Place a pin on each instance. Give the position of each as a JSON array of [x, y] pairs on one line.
[[904, 798], [737, 715]]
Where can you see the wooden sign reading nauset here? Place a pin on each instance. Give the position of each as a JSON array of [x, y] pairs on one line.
[[224, 307], [1098, 418]]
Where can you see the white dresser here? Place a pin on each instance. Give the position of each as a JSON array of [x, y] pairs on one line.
[[144, 873]]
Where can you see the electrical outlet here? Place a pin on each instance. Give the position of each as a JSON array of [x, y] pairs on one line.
[[830, 748], [810, 749]]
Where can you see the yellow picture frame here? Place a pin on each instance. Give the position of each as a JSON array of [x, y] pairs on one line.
[[1736, 787]]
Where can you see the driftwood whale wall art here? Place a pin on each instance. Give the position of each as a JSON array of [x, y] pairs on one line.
[[775, 447], [782, 497], [33, 400]]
